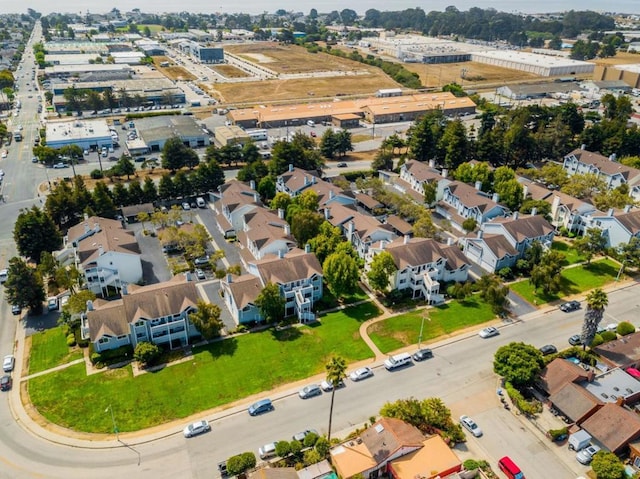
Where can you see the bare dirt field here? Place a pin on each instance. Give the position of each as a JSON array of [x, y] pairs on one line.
[[173, 72], [293, 59], [229, 71], [303, 89], [475, 74]]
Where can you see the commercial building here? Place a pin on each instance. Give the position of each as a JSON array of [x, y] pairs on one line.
[[87, 134], [231, 135], [156, 130], [202, 53], [541, 65]]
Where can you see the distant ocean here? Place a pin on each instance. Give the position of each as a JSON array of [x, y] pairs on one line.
[[324, 6]]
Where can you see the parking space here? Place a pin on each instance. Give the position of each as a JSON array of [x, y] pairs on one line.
[[207, 217], [154, 264]]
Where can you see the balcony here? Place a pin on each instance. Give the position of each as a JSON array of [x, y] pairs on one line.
[[431, 288]]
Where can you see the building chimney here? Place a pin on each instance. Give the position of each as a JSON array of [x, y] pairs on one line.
[[350, 228], [287, 230], [432, 163], [627, 208], [610, 212], [306, 180], [100, 250], [313, 180], [480, 233], [449, 241], [307, 248], [86, 227], [515, 215], [256, 197], [332, 194], [534, 211], [406, 239], [327, 213], [281, 213], [444, 173], [525, 192], [229, 278], [89, 305], [554, 206], [252, 184], [478, 185], [383, 244], [124, 289], [280, 253], [612, 157], [290, 167], [583, 146], [495, 198]]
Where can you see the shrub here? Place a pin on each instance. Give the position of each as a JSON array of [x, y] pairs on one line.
[[471, 465], [524, 406], [555, 433], [597, 341], [96, 174], [625, 328], [242, 462], [71, 339], [322, 446], [608, 336], [311, 456], [146, 353], [283, 448], [111, 356], [310, 439]]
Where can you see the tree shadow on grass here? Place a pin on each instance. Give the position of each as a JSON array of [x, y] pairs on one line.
[[222, 347], [286, 334], [362, 312]]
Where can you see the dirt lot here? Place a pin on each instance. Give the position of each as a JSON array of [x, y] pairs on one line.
[[293, 59], [622, 58], [303, 89], [173, 72], [229, 71], [476, 74]]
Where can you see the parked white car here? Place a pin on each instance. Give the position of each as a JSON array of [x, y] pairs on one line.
[[196, 428], [471, 426], [8, 363]]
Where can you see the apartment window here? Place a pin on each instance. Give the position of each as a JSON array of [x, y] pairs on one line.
[[139, 323], [103, 340], [124, 336]]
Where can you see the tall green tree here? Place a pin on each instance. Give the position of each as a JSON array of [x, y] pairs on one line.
[[454, 144], [607, 465], [336, 369], [381, 269], [597, 300], [174, 153], [305, 225], [341, 274], [102, 201], [518, 363], [24, 286], [35, 232], [592, 243], [207, 320], [271, 303]]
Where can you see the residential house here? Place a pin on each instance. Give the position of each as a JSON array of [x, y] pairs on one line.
[[297, 273], [614, 174], [623, 352], [560, 372], [618, 229], [361, 230], [296, 180], [264, 232], [575, 402], [380, 448], [613, 427], [130, 213], [422, 264], [107, 255], [566, 211], [156, 313], [458, 201], [502, 242], [232, 201], [417, 173], [399, 226], [433, 460], [320, 470]]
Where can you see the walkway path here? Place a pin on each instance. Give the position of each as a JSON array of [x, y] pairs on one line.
[[57, 368]]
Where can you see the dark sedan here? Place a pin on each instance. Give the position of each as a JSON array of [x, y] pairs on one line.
[[569, 306], [422, 354], [548, 349]]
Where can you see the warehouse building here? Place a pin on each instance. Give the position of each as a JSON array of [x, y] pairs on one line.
[[156, 130], [202, 53], [630, 74], [536, 90], [231, 135], [541, 65], [87, 134]]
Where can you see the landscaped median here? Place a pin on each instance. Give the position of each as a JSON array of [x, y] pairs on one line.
[[217, 374], [574, 280], [403, 330]]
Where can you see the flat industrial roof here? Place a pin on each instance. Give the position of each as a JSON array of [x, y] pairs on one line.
[[530, 58], [77, 130]]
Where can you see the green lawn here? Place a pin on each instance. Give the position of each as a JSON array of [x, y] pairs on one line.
[[329, 301], [403, 330], [216, 375], [574, 280], [49, 349], [571, 254]]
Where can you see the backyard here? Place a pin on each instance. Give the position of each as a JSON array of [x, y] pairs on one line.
[[49, 349], [217, 374], [571, 255], [403, 330], [573, 281]]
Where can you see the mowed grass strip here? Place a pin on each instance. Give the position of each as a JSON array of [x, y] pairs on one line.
[[403, 330], [49, 349], [217, 374], [573, 281]]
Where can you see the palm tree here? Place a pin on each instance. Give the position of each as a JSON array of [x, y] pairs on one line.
[[336, 372], [597, 300]]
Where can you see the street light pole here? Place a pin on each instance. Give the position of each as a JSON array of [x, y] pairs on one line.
[[113, 420], [421, 330]]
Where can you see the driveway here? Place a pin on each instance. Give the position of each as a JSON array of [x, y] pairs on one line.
[[208, 219], [211, 290], [154, 265]]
